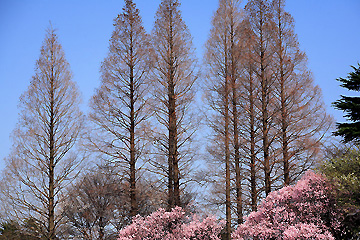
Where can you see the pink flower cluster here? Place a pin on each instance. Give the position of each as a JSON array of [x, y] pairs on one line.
[[174, 225], [304, 211]]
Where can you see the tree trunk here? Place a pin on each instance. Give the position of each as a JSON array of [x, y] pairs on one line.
[[51, 213], [227, 147], [264, 112], [238, 176], [284, 124], [174, 194], [174, 181], [101, 229], [252, 146], [133, 201], [227, 164]]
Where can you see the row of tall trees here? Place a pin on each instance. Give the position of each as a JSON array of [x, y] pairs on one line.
[[268, 116], [142, 77], [265, 113]]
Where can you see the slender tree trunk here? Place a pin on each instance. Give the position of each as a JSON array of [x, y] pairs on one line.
[[101, 229], [170, 182], [174, 194], [227, 164], [284, 138], [227, 146], [238, 176], [265, 139], [51, 214], [284, 124], [252, 146], [133, 201], [234, 99], [264, 112], [174, 184]]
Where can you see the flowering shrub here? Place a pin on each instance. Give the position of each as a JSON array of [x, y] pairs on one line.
[[304, 211], [172, 225]]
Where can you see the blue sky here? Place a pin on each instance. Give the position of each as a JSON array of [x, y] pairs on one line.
[[328, 31]]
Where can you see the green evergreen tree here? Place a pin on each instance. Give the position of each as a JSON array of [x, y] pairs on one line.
[[342, 167], [25, 229], [350, 106]]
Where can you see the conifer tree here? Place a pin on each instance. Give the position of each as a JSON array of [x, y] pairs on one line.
[[250, 126], [222, 59], [41, 163], [300, 117], [119, 108], [350, 106], [173, 79], [259, 15]]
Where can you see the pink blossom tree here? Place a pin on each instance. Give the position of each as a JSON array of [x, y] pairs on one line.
[[172, 225], [306, 210]]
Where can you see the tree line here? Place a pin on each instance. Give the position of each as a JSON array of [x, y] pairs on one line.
[[264, 114]]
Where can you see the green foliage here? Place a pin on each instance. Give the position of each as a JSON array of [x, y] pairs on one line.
[[343, 169], [350, 106], [9, 230], [12, 230]]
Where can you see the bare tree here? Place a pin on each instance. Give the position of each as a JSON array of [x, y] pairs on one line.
[[98, 205], [174, 76], [302, 120], [282, 109], [41, 164], [259, 14], [119, 108], [223, 59], [234, 19], [249, 117], [91, 205]]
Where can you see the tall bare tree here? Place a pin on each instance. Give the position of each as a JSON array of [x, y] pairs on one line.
[[223, 59], [234, 19], [119, 108], [249, 117], [174, 76], [282, 109], [302, 120], [259, 14], [41, 163]]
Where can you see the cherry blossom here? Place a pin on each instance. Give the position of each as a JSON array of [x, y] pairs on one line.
[[306, 210], [174, 225]]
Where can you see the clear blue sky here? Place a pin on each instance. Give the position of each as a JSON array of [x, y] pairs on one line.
[[328, 31]]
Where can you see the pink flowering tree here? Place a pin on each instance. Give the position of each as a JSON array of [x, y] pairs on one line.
[[306, 210], [172, 225]]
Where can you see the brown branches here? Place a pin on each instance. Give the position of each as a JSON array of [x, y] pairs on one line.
[[41, 164]]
